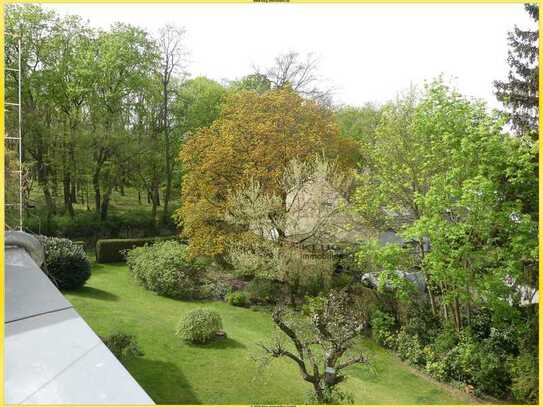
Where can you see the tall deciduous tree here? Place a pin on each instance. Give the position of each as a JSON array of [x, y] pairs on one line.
[[255, 137], [33, 26], [197, 104], [450, 182], [173, 55], [125, 56]]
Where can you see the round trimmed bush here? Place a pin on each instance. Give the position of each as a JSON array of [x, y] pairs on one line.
[[199, 325], [122, 345], [237, 298], [66, 263], [164, 268]]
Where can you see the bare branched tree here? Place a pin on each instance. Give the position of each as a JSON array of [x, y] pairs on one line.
[[321, 342], [174, 55], [292, 69]]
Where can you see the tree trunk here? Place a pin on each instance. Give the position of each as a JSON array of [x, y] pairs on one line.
[[319, 393], [169, 174], [105, 203], [155, 201], [67, 189], [97, 194], [74, 193], [44, 183]]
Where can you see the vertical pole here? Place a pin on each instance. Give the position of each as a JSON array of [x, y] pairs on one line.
[[20, 142]]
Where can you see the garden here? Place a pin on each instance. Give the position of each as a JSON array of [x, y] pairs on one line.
[[222, 371], [250, 242]]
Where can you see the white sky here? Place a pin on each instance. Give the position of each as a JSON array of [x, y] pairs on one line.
[[368, 52]]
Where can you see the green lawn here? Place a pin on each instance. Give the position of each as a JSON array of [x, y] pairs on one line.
[[119, 203], [223, 372]]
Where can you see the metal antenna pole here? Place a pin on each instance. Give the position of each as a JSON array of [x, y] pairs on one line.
[[18, 139]]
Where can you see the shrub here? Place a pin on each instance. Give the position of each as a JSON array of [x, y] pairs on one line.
[[409, 348], [87, 225], [81, 243], [237, 298], [66, 263], [446, 340], [165, 269], [382, 326], [524, 375], [419, 322], [436, 365], [213, 289], [81, 225], [341, 280], [122, 345], [199, 325], [462, 358], [113, 250], [263, 291]]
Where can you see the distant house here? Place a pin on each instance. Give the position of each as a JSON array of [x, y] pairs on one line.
[[340, 228]]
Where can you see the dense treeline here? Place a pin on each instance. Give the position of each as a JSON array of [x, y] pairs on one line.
[[107, 110], [102, 110]]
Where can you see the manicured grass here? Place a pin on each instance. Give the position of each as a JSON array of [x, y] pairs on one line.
[[224, 372], [119, 203]]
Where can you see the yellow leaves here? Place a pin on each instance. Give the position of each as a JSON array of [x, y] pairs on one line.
[[255, 137]]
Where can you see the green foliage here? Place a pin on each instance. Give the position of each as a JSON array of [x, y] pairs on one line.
[[199, 101], [199, 325], [237, 298], [382, 328], [480, 363], [165, 269], [360, 124], [525, 378], [331, 396], [263, 291], [255, 82], [114, 250], [461, 195], [341, 280], [213, 289], [122, 345], [66, 263], [86, 225], [410, 348]]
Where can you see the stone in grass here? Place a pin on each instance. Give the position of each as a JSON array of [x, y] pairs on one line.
[[220, 334]]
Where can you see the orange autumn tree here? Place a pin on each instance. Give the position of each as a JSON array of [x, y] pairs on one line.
[[254, 138]]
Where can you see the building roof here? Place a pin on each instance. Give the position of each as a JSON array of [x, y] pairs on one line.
[[51, 355]]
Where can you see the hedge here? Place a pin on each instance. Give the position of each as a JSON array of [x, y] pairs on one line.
[[113, 250], [87, 226]]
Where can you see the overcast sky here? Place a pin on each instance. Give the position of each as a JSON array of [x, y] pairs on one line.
[[367, 52]]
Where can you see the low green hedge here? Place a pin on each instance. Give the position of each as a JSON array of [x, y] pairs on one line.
[[113, 250], [88, 226]]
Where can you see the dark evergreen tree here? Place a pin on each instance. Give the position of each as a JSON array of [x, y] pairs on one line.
[[520, 92]]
